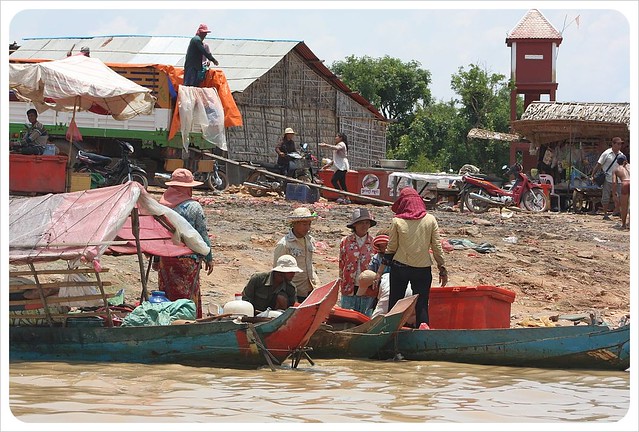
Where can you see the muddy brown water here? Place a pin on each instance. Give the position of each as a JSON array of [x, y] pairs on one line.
[[332, 391]]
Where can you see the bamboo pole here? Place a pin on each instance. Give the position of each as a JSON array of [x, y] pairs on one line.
[[135, 225], [68, 176], [43, 298], [294, 180]]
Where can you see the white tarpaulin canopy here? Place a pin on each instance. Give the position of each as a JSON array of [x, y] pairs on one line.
[[80, 83]]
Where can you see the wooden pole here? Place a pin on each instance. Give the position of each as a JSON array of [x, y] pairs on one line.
[[294, 180], [135, 225], [68, 176]]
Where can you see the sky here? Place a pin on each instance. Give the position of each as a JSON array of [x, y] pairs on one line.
[[593, 63]]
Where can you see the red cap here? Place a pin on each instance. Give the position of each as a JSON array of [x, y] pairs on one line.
[[203, 28]]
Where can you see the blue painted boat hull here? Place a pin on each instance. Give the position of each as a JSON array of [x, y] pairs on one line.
[[364, 340], [223, 343], [580, 347]]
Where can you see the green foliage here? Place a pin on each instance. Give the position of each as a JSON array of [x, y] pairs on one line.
[[396, 88], [433, 136]]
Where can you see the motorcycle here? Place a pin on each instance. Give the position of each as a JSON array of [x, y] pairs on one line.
[[300, 167], [123, 170], [215, 179], [479, 194]]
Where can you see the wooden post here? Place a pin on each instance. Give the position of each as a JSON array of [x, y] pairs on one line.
[[294, 180], [135, 225], [43, 298]]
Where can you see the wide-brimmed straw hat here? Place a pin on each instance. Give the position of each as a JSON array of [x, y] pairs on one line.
[[289, 131], [286, 264], [203, 28], [301, 214], [360, 214], [183, 177]]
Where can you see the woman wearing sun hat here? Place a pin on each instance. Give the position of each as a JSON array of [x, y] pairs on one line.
[[283, 148], [355, 253], [179, 277], [301, 245]]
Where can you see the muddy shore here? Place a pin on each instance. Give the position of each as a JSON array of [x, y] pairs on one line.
[[556, 263]]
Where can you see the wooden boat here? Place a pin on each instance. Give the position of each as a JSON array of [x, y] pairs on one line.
[[230, 342], [364, 340], [76, 229], [563, 347]]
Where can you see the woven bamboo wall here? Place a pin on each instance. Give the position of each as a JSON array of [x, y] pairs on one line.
[[292, 94]]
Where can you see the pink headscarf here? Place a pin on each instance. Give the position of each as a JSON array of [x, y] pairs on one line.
[[176, 195], [409, 205]]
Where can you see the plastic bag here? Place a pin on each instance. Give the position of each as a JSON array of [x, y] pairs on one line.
[[76, 291]]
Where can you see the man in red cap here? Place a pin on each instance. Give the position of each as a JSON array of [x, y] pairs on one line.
[[193, 70]]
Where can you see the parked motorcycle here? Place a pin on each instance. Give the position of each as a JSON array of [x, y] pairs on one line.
[[301, 167], [123, 170], [478, 194], [215, 179]]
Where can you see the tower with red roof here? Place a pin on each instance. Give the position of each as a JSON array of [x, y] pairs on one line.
[[534, 43]]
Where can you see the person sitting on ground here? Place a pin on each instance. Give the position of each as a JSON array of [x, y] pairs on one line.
[[301, 245], [273, 289], [35, 138]]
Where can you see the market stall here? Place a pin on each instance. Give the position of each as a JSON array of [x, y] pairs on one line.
[[76, 83], [433, 187], [565, 139]]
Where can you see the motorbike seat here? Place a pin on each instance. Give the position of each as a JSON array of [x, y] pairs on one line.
[[94, 158]]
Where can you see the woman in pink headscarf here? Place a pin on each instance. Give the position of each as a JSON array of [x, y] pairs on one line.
[[179, 277], [412, 234]]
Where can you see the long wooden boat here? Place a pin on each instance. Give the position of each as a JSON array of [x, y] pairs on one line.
[[580, 347], [364, 340], [219, 343]]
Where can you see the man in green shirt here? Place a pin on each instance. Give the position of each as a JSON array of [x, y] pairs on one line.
[[273, 289], [193, 59]]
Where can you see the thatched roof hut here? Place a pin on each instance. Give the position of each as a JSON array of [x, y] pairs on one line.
[[557, 122]]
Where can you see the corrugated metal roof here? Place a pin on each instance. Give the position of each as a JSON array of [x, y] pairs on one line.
[[243, 61], [533, 25]]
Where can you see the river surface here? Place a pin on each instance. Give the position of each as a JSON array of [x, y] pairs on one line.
[[332, 391]]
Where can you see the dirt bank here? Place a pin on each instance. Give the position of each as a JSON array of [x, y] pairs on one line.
[[556, 263]]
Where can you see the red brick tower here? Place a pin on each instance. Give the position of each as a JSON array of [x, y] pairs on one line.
[[534, 43]]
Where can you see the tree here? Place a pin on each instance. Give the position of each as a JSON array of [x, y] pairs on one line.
[[484, 102], [396, 88]]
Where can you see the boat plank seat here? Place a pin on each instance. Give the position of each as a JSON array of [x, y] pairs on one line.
[[50, 308]]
